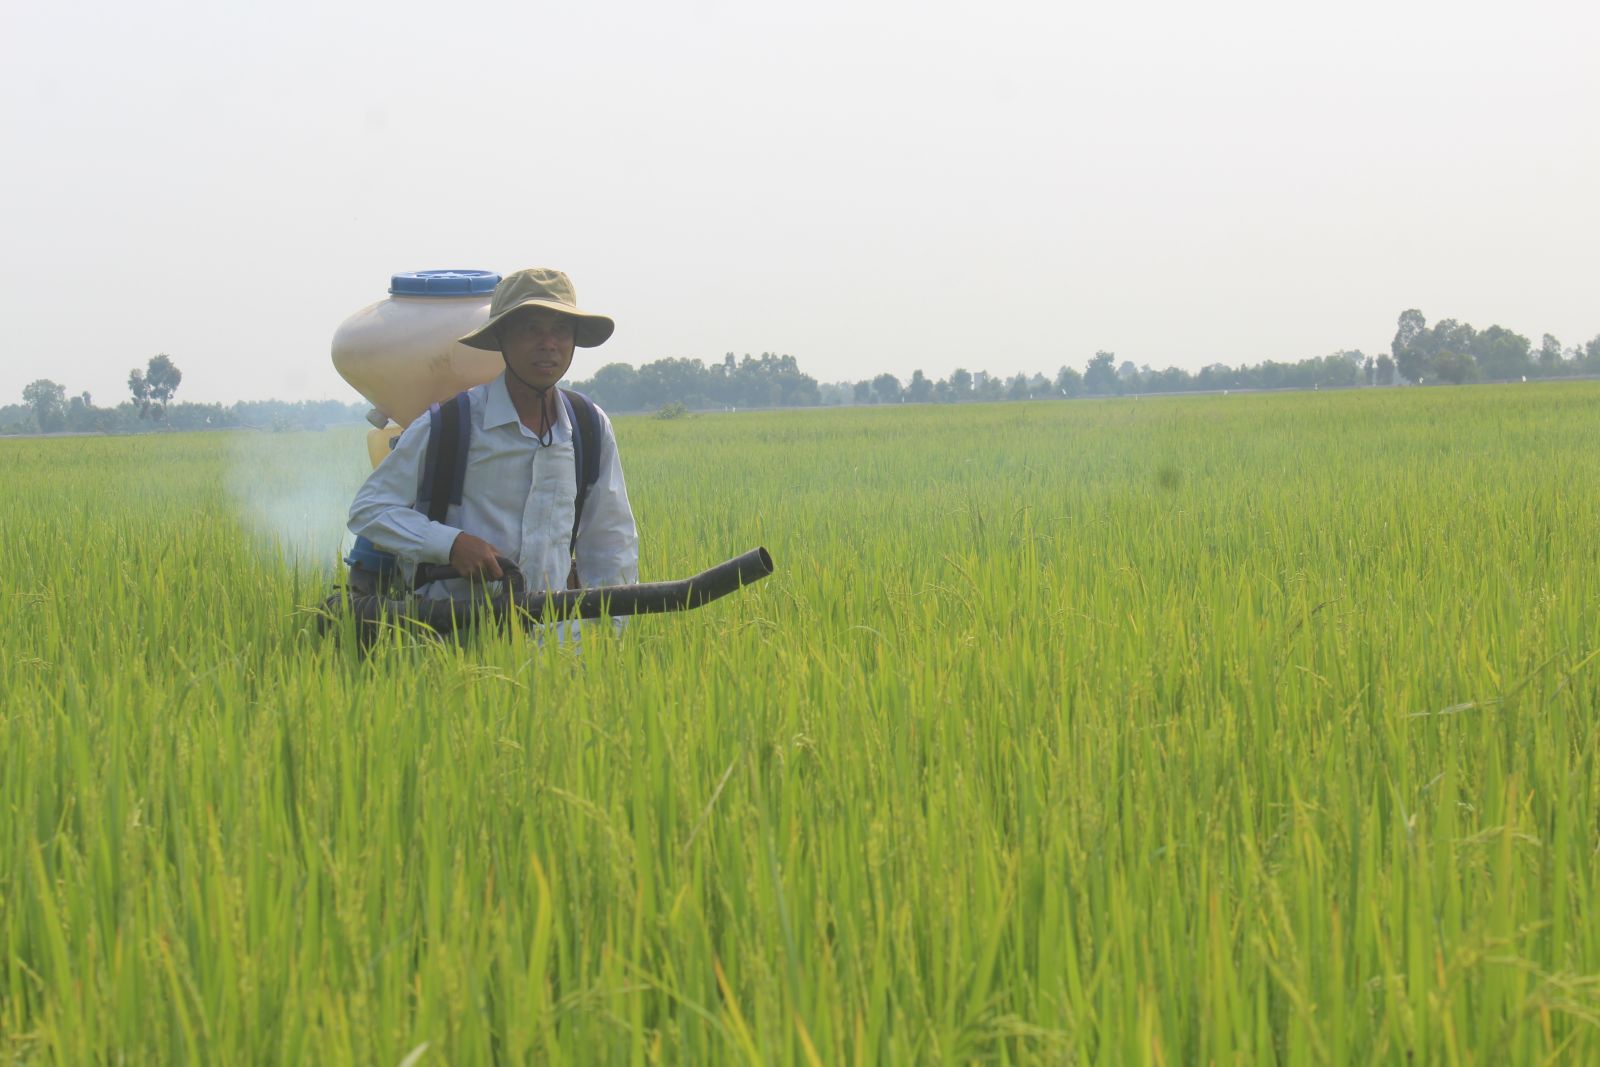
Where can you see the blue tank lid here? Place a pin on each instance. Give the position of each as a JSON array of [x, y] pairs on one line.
[[443, 282]]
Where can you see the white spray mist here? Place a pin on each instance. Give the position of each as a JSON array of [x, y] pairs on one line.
[[293, 490]]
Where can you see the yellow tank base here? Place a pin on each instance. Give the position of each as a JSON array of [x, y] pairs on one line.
[[381, 442]]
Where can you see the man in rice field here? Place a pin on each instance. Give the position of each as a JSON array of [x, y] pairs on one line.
[[541, 482]]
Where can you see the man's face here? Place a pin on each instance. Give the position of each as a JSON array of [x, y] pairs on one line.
[[537, 344]]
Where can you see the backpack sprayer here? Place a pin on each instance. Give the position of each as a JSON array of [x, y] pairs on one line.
[[401, 353], [513, 602]]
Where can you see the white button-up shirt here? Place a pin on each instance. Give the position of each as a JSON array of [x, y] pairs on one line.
[[517, 495]]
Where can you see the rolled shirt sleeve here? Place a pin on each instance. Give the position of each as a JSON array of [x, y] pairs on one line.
[[383, 512]]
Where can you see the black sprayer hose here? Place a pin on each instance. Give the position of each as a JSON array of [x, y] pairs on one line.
[[446, 616]]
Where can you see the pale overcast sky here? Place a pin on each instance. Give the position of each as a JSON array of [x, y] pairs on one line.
[[867, 186]]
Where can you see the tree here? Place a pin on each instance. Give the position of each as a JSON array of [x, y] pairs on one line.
[[1100, 375], [770, 381], [615, 386], [1550, 355], [162, 376], [152, 388], [886, 387], [81, 415], [1171, 380], [960, 385], [1216, 376], [1338, 370], [673, 380], [48, 401], [1451, 335], [140, 390], [1501, 353], [1455, 367], [920, 390], [1409, 358], [1386, 370], [1069, 382]]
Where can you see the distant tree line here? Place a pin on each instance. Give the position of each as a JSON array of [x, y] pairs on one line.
[[1449, 351], [1452, 351], [49, 410], [46, 408], [765, 381], [1103, 375]]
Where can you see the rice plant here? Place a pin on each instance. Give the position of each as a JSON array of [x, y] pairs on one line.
[[1231, 730]]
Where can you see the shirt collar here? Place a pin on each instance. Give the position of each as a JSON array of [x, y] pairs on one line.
[[498, 410]]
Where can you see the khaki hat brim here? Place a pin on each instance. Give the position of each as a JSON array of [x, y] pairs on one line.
[[592, 330]]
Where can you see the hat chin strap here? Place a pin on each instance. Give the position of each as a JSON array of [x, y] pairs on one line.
[[546, 434]]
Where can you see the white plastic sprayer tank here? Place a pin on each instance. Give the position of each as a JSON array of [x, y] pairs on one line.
[[402, 354]]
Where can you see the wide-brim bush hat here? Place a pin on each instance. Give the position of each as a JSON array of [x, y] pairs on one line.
[[539, 287]]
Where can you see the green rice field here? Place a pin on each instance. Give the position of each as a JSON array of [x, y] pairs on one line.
[[1205, 730]]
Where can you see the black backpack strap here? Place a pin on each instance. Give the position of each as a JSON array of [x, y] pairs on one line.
[[444, 470], [588, 439]]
